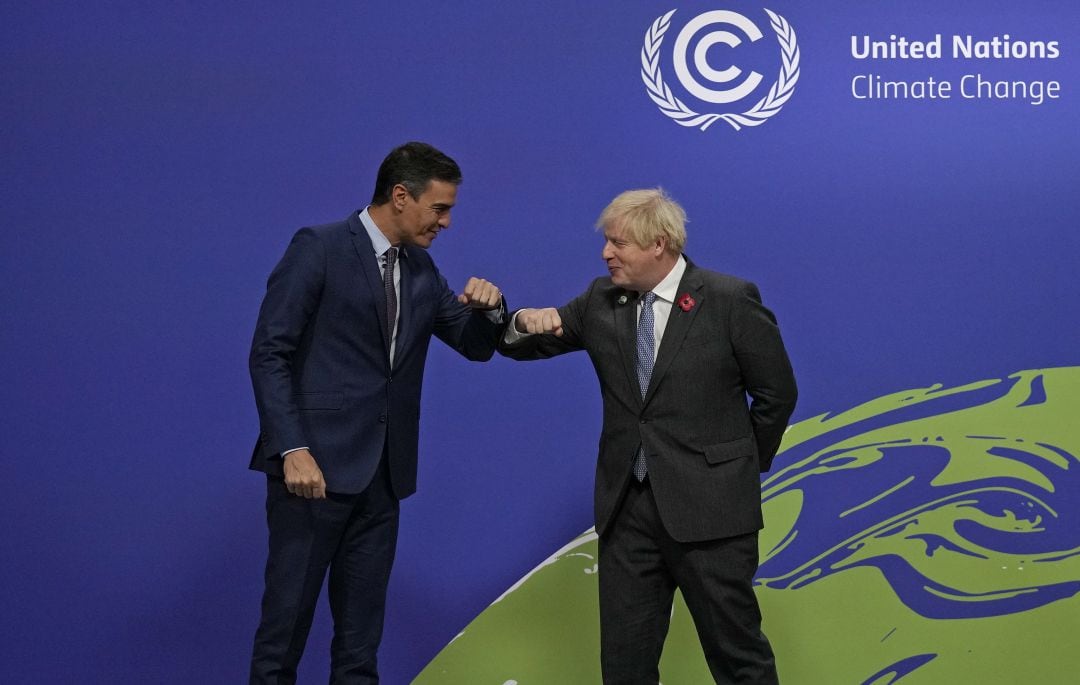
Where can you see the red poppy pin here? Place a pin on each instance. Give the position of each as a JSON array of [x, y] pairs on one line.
[[686, 303]]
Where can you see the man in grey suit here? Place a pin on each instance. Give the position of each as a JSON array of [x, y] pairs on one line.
[[678, 350]]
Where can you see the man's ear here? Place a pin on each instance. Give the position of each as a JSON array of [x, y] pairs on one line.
[[399, 194], [660, 246]]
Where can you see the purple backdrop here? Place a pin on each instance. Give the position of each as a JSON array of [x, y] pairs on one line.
[[156, 160]]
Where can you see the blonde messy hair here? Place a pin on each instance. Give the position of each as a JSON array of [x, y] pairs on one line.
[[646, 215]]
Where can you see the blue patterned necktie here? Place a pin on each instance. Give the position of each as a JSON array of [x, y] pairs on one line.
[[646, 343]]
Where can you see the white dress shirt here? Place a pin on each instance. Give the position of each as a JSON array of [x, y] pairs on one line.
[[666, 292]]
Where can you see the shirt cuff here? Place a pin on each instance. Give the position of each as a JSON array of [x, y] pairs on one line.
[[497, 315], [512, 334]]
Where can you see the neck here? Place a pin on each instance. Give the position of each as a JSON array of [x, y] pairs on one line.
[[383, 216], [664, 265]]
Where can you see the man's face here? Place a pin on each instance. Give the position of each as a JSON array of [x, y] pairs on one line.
[[631, 266], [422, 219]]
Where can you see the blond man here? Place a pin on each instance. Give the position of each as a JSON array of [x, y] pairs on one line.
[[697, 391]]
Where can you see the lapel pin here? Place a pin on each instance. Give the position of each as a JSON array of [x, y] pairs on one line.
[[622, 299], [686, 303]]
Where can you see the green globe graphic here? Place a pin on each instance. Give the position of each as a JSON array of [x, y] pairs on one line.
[[928, 536]]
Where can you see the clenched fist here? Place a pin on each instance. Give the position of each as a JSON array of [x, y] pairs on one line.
[[480, 294], [538, 321], [303, 477]]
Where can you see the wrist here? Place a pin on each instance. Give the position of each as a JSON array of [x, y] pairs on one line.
[[519, 326]]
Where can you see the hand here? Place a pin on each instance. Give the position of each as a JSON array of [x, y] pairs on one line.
[[303, 476], [480, 294], [539, 321]]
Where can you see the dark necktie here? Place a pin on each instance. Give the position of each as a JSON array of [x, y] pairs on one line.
[[388, 288], [646, 343]]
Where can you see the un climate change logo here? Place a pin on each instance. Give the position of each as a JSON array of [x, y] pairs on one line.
[[766, 107]]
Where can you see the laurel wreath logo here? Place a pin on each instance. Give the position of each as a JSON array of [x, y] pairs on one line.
[[767, 107]]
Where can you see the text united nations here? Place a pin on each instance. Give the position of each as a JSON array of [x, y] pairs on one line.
[[972, 86]]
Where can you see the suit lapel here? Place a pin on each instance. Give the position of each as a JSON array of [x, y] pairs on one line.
[[371, 273], [626, 332], [678, 324]]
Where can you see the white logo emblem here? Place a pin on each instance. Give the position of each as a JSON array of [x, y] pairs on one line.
[[672, 106]]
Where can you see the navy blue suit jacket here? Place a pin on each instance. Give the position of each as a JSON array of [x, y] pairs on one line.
[[320, 358]]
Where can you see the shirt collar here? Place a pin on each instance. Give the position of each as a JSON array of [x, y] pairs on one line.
[[378, 240], [669, 286]]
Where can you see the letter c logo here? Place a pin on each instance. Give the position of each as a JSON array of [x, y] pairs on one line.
[[682, 45]]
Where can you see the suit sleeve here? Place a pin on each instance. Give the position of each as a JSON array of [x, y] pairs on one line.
[[468, 331], [533, 347], [292, 296], [766, 370]]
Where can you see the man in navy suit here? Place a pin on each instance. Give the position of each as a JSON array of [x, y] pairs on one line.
[[337, 363], [678, 350]]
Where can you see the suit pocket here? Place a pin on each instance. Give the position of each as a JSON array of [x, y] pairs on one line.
[[732, 449], [319, 400]]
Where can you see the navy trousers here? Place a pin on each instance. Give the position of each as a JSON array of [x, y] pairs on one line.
[[355, 537]]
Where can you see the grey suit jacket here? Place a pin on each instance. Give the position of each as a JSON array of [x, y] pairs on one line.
[[705, 443]]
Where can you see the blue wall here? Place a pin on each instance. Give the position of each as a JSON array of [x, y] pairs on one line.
[[156, 160]]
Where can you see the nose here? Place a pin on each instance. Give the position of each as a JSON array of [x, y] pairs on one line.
[[444, 219], [607, 253]]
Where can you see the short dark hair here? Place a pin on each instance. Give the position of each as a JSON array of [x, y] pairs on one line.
[[413, 165]]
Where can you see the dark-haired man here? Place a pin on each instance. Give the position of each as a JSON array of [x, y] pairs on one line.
[[678, 350], [337, 362]]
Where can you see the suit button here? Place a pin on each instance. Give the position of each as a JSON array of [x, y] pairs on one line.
[[643, 421], [382, 418]]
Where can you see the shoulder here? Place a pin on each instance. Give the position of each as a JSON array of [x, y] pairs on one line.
[[314, 247], [600, 294], [320, 236], [603, 290], [603, 286], [721, 282], [335, 230]]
